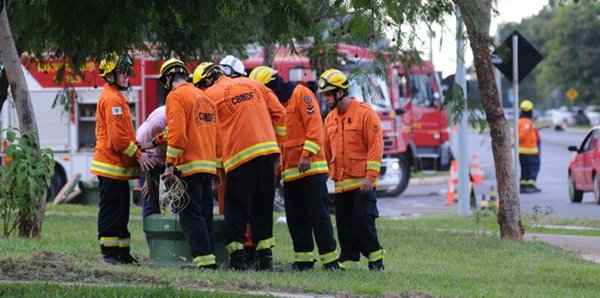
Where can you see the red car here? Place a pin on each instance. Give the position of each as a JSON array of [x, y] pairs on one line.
[[584, 168]]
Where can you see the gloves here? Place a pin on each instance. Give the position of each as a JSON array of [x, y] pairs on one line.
[[303, 164]]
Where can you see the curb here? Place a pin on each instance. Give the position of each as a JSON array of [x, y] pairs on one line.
[[583, 246], [428, 181]]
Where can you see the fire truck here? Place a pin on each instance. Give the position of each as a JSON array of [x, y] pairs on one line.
[[65, 113], [417, 98], [365, 85]]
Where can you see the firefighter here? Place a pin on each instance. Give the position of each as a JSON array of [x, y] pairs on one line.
[[114, 160], [304, 172], [529, 149], [251, 122], [232, 67], [354, 149], [150, 136], [191, 155]]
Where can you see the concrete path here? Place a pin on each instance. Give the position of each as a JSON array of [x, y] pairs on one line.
[[587, 247]]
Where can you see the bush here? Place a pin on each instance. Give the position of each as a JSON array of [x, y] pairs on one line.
[[24, 179]]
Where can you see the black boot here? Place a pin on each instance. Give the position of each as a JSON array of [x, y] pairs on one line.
[[125, 256], [376, 266], [303, 266], [264, 260], [110, 255], [333, 266], [237, 260]]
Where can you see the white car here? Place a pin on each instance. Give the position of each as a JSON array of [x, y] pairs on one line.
[[561, 117], [593, 114]]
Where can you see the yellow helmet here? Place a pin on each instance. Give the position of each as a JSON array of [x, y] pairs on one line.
[[526, 105], [169, 67], [263, 74], [204, 70], [332, 79], [114, 62]]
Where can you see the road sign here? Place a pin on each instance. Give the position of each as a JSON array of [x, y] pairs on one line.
[[571, 94], [528, 56]]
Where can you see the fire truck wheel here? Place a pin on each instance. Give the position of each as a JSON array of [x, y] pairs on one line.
[[404, 172]]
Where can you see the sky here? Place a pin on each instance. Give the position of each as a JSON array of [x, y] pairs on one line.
[[444, 45]]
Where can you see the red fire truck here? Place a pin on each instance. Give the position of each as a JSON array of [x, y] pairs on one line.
[[366, 85], [416, 96]]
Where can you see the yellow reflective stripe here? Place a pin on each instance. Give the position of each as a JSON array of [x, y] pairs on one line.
[[265, 244], [109, 241], [131, 149], [347, 185], [205, 260], [311, 147], [348, 264], [304, 257], [281, 131], [173, 152], [526, 150], [376, 255], [317, 167], [373, 166], [206, 166], [252, 151], [329, 257], [233, 247], [350, 184], [124, 242], [112, 170], [219, 163]]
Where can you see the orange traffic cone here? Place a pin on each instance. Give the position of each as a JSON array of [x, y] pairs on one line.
[[476, 171], [452, 183]]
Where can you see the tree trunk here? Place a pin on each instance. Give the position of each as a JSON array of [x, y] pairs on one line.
[[269, 53], [477, 18], [28, 226]]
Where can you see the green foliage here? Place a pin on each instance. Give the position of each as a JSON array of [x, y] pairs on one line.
[[24, 178]]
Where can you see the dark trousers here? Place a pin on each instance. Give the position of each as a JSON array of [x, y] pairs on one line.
[[249, 199], [307, 212], [150, 202], [355, 214], [113, 214], [196, 218], [530, 166]]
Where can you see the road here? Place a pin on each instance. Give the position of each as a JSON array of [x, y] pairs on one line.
[[553, 200]]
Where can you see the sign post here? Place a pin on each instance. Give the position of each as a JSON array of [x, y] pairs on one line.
[[515, 62], [516, 58]]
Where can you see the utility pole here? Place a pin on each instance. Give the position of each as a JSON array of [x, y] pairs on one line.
[[463, 155]]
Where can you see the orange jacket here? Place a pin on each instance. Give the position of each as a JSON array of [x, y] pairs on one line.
[[528, 137], [116, 151], [353, 146], [249, 114], [192, 131], [304, 137]]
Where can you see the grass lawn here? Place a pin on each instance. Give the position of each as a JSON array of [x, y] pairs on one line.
[[422, 257]]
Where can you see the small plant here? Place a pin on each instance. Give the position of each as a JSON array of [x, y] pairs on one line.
[[24, 178], [539, 213]]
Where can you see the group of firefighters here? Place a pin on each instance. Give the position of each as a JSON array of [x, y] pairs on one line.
[[244, 133]]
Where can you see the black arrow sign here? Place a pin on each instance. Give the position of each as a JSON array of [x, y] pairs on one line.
[[529, 57]]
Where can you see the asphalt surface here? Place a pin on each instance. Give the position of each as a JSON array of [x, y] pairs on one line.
[[552, 201]]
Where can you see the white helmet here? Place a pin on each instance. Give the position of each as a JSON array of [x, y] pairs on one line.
[[232, 66]]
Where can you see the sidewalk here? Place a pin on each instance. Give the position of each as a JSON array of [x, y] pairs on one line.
[[586, 247]]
